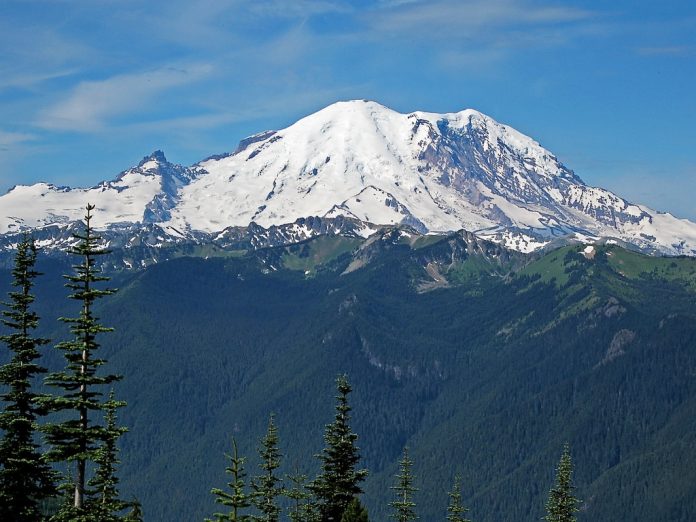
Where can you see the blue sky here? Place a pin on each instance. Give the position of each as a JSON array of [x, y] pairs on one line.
[[88, 87]]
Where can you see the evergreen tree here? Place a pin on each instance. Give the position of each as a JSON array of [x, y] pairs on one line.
[[267, 487], [561, 505], [355, 512], [135, 514], [67, 512], [302, 508], [339, 481], [238, 499], [25, 476], [104, 502], [403, 504], [77, 439], [455, 509]]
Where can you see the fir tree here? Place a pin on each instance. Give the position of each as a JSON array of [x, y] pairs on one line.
[[104, 502], [455, 509], [355, 512], [236, 499], [77, 439], [135, 514], [67, 512], [267, 487], [301, 507], [339, 481], [561, 505], [25, 476], [310, 511], [403, 504]]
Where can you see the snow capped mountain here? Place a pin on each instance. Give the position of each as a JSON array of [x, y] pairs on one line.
[[142, 194], [436, 172], [362, 161]]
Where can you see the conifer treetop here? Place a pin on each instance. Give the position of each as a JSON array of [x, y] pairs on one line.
[[235, 497], [403, 504], [267, 486], [561, 505], [339, 480], [455, 509], [25, 476]]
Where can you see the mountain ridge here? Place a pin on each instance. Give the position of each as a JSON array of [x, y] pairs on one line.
[[360, 160]]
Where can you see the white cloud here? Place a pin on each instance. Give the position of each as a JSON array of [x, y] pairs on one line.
[[466, 17], [30, 79], [476, 34], [92, 104], [9, 139]]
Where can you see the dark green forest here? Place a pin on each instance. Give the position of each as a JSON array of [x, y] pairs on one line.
[[484, 372]]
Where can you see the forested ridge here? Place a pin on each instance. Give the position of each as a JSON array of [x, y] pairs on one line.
[[483, 379]]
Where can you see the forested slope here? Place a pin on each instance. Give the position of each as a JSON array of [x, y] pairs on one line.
[[482, 366]]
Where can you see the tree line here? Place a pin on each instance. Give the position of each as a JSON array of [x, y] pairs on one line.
[[334, 495], [59, 451]]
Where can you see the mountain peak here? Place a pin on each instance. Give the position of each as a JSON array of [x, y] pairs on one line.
[[157, 157], [361, 160], [372, 107], [443, 171], [349, 110], [357, 103]]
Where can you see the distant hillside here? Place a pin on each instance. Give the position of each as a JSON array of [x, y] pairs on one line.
[[483, 361]]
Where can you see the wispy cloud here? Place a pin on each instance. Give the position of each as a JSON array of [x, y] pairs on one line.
[[396, 3], [465, 33], [33, 56], [444, 17], [31, 79], [298, 8], [283, 104], [9, 139], [218, 27], [92, 104], [668, 50]]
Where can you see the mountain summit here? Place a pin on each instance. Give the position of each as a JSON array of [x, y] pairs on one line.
[[363, 161]]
